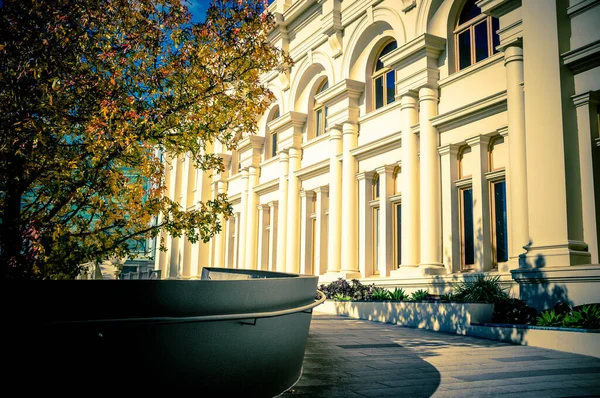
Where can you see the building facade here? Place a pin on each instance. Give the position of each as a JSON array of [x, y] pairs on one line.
[[415, 142]]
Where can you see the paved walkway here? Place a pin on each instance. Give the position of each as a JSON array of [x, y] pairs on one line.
[[352, 358]]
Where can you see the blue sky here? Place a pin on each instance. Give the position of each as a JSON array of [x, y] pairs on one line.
[[197, 8]]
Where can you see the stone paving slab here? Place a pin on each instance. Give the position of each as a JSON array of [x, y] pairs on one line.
[[355, 358]]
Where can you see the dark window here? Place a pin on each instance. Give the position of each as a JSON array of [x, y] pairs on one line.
[[273, 144], [475, 35], [467, 227], [501, 228], [384, 79], [398, 234]]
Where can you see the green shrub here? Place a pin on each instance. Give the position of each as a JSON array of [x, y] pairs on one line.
[[341, 297], [380, 294], [419, 295], [447, 297], [398, 295], [480, 289], [550, 318], [586, 316], [354, 290]]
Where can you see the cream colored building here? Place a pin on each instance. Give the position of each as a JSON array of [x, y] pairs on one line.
[[413, 142]]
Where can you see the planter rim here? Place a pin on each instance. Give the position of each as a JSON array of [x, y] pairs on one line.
[[535, 327]]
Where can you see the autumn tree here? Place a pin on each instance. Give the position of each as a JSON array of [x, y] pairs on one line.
[[93, 94]]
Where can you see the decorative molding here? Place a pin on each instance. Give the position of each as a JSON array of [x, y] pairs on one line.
[[381, 111], [488, 62], [495, 175], [420, 54], [498, 8], [313, 170], [581, 7], [408, 5], [471, 112], [377, 147], [267, 187], [449, 149], [583, 58], [365, 175], [586, 98], [346, 88]]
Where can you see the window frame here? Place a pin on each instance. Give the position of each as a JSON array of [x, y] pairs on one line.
[[464, 185], [383, 73], [320, 126], [470, 26]]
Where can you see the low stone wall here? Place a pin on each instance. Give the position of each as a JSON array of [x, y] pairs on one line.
[[444, 317], [577, 341]]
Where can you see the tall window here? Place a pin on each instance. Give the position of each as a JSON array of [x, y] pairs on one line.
[[500, 225], [384, 79], [475, 36], [398, 234], [271, 147], [376, 260], [320, 112], [466, 226]]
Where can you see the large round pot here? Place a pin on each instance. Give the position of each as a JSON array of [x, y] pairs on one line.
[[233, 332]]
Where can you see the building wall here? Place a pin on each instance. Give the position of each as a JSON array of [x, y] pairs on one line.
[[414, 193]]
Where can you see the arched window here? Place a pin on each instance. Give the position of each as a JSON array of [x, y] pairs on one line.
[[271, 137], [475, 36], [320, 112], [384, 79]]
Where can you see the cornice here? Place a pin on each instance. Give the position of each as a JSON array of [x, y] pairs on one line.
[[586, 98], [498, 8], [267, 187], [346, 88], [290, 119], [382, 145], [471, 112], [583, 58], [426, 45], [313, 170]]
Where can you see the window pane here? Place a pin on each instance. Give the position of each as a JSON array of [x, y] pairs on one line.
[[398, 234], [469, 11], [464, 49], [376, 189], [390, 82], [495, 36], [501, 224], [318, 121], [379, 92], [468, 236], [325, 121], [481, 41], [274, 144]]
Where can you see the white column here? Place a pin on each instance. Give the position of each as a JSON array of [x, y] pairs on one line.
[[481, 204], [431, 207], [349, 255], [273, 236], [229, 233], [219, 239], [235, 253], [410, 183], [553, 242], [451, 233], [335, 201], [306, 233], [282, 215], [292, 256], [262, 261], [251, 227], [243, 221], [386, 217], [320, 265], [587, 127], [517, 168], [175, 189], [366, 243]]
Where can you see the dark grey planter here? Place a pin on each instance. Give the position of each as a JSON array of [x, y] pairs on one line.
[[232, 336]]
